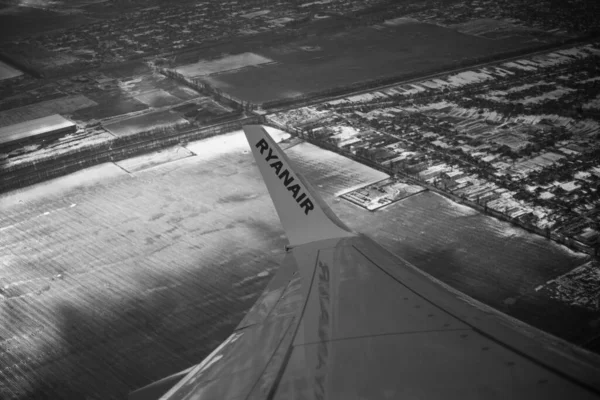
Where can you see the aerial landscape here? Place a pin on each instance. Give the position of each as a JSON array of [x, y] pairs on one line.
[[136, 230]]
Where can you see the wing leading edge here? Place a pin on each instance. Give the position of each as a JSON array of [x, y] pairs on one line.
[[345, 319]]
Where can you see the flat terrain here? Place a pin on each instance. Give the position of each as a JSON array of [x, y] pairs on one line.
[[323, 62], [146, 122], [6, 71], [110, 280], [226, 63], [118, 92], [65, 105], [22, 20], [110, 93]]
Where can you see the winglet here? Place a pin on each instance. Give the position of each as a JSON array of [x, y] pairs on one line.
[[304, 215]]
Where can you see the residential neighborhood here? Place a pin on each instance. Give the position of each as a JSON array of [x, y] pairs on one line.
[[518, 139]]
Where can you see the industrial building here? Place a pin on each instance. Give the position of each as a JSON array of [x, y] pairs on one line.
[[35, 129]]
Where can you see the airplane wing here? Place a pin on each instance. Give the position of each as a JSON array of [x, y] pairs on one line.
[[345, 319]]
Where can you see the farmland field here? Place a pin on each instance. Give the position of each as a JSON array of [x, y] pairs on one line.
[[145, 122], [108, 105], [138, 84], [227, 63], [97, 95], [497, 28], [62, 105], [158, 98], [6, 71], [17, 20], [110, 280], [319, 63], [134, 90]]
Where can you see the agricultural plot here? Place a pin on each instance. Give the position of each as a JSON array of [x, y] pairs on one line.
[[46, 62], [400, 21], [63, 105], [113, 280], [202, 109], [117, 93], [147, 122], [500, 29], [227, 63], [139, 84], [35, 129], [108, 105], [359, 55], [7, 72], [157, 98], [18, 20]]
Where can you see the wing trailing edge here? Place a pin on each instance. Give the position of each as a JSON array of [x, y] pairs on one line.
[[303, 213]]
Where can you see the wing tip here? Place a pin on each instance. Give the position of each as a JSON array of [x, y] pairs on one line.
[[305, 216]]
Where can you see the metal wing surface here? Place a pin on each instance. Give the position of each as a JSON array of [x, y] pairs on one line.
[[345, 319]]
